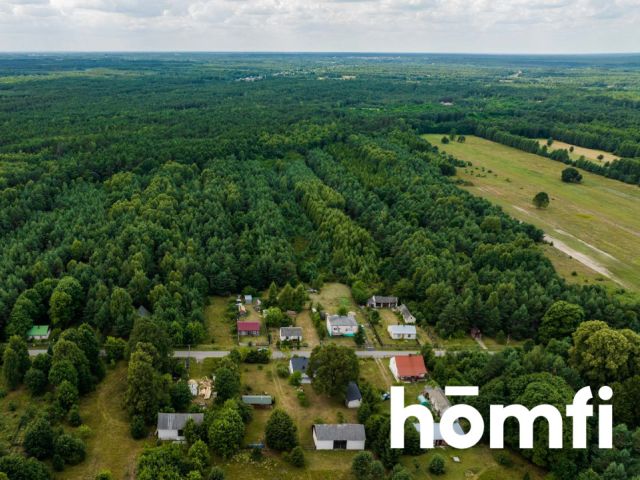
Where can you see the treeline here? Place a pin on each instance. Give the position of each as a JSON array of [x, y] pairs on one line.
[[624, 169]]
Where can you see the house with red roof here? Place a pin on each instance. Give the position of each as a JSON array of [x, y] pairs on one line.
[[248, 328], [408, 368]]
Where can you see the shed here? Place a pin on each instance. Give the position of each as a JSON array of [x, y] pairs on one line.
[[406, 314], [344, 436], [300, 364], [171, 425], [352, 397], [258, 400]]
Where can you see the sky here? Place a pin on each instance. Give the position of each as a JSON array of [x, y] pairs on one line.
[[470, 26]]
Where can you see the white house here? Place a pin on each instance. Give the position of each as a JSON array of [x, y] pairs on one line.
[[171, 425], [290, 334], [352, 397], [438, 439], [344, 436], [300, 364], [402, 332], [406, 314], [340, 325]]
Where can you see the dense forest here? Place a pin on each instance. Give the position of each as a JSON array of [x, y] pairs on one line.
[[156, 181]]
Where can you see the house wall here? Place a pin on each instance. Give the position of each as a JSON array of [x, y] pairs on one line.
[[168, 435], [394, 368], [324, 445], [353, 404], [355, 445]]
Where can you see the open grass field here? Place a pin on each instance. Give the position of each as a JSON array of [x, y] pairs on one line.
[[219, 329], [595, 222], [110, 446], [588, 153], [17, 408]]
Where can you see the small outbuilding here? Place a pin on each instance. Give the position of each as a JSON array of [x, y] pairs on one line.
[[406, 314], [402, 332], [300, 364], [290, 334], [343, 436], [258, 400], [438, 399], [438, 439], [171, 425], [352, 397]]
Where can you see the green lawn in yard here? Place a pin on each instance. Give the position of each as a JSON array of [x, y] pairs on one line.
[[219, 330], [110, 446], [597, 219]]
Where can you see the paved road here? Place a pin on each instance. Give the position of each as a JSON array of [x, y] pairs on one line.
[[199, 355]]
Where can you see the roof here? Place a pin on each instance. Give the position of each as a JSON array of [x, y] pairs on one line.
[[248, 298], [438, 398], [342, 321], [404, 310], [437, 434], [299, 364], [402, 329], [342, 431], [143, 312], [38, 330], [353, 392], [290, 331], [257, 399], [177, 421], [383, 299], [248, 326], [410, 365]]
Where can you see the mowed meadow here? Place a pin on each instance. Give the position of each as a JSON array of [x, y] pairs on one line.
[[596, 222]]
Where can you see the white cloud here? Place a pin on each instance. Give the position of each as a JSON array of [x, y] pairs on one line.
[[371, 25]]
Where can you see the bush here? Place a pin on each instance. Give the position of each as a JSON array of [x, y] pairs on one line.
[[36, 381], [571, 175], [38, 439], [504, 459], [280, 431], [282, 371], [70, 448], [296, 457], [84, 432], [75, 420], [436, 466], [295, 379], [216, 473], [138, 428], [302, 399], [104, 475]]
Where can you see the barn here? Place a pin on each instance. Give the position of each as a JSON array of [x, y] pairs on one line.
[[343, 436]]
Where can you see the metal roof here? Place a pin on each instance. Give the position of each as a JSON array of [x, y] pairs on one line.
[[290, 331], [437, 434], [177, 421], [342, 431], [257, 399], [38, 331], [299, 364], [353, 392], [342, 321], [402, 329]]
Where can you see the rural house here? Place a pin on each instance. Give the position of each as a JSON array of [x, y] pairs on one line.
[[402, 332], [408, 368], [378, 301], [340, 325], [248, 328], [290, 334], [344, 436], [171, 425], [39, 332], [406, 314], [258, 400], [300, 364], [438, 439], [438, 399], [353, 397]]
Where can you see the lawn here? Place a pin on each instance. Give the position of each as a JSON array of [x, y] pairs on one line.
[[17, 408], [588, 153], [389, 317], [219, 330], [111, 446], [596, 221]]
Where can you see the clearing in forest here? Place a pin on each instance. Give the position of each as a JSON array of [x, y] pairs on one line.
[[588, 153], [597, 219]]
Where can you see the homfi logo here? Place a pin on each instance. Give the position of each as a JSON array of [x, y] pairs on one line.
[[578, 411]]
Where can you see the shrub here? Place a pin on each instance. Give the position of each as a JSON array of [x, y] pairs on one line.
[[296, 457], [216, 473], [138, 428], [70, 448], [436, 466], [282, 371], [104, 475], [75, 420]]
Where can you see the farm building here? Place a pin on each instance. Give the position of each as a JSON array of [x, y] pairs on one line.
[[39, 332], [300, 364], [248, 328], [438, 440], [402, 332], [290, 334], [379, 301], [408, 368], [171, 425], [344, 436], [258, 400], [353, 397], [406, 314], [340, 325], [438, 399]]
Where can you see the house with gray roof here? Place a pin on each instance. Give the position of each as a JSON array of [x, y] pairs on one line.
[[402, 332], [171, 425], [381, 301], [342, 325], [438, 439], [343, 436], [290, 334], [300, 364], [406, 314]]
